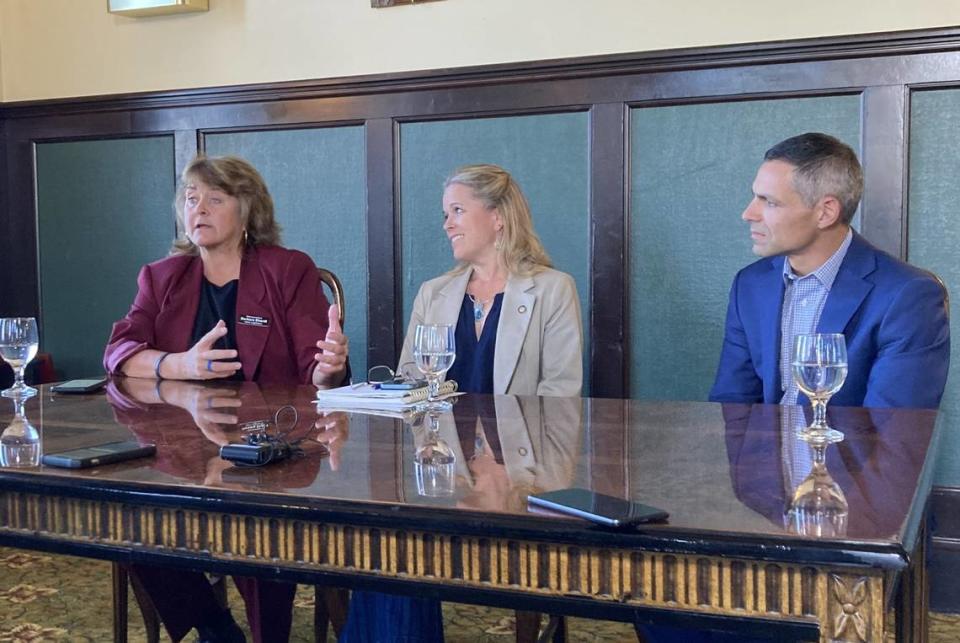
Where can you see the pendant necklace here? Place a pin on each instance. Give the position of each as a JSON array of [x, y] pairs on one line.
[[478, 307]]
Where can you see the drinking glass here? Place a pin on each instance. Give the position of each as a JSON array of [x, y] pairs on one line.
[[434, 349], [20, 441], [18, 346], [819, 369]]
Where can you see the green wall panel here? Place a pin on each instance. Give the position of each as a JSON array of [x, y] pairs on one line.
[[318, 181], [549, 157], [934, 233], [104, 209], [691, 170]]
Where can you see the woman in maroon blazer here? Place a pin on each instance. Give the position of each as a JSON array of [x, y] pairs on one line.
[[229, 303], [226, 252]]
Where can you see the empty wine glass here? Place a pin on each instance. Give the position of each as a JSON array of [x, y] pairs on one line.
[[18, 346], [434, 349], [819, 369], [818, 507], [20, 441]]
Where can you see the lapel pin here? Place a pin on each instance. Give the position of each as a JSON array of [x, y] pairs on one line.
[[521, 309], [522, 451]]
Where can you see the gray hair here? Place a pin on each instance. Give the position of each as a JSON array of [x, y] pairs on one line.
[[824, 166]]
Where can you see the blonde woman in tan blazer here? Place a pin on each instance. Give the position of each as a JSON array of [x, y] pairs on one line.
[[503, 272], [517, 331]]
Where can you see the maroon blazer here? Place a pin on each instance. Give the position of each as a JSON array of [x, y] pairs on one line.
[[281, 313]]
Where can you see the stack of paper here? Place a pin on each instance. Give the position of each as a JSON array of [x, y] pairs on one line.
[[370, 396]]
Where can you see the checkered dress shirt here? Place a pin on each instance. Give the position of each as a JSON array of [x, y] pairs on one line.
[[803, 300]]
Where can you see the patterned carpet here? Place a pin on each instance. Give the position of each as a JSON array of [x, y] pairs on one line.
[[58, 598]]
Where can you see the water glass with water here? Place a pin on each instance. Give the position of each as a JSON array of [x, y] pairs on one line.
[[434, 349], [819, 369], [18, 346]]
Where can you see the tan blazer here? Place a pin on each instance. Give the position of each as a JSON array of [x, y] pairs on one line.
[[539, 337]]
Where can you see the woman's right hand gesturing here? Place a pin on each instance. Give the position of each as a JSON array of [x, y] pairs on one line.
[[202, 361]]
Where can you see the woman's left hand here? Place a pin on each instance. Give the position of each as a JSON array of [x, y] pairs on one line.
[[332, 358]]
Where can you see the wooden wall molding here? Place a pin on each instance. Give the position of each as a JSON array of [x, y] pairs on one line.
[[885, 44]]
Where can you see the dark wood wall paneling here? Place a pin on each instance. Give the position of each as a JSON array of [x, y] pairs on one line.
[[6, 229], [882, 68], [385, 308]]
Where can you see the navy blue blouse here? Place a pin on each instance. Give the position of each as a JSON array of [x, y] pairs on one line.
[[473, 368]]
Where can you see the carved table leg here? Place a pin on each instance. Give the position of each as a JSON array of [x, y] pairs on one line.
[[912, 598], [528, 626], [119, 603]]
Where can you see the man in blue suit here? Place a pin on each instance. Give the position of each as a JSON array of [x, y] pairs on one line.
[[818, 275]]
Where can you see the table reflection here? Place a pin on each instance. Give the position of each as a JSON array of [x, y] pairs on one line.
[[172, 414], [20, 441], [434, 461], [497, 450], [859, 486], [505, 447], [818, 506]]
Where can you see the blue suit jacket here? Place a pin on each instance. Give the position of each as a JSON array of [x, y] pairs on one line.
[[894, 318]]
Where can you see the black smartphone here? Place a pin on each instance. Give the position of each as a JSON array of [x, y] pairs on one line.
[[80, 386], [400, 384], [597, 507], [98, 454]]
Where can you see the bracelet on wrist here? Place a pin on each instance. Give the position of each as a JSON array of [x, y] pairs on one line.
[[156, 366]]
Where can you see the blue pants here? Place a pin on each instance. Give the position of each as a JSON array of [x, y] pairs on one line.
[[385, 618], [663, 634]]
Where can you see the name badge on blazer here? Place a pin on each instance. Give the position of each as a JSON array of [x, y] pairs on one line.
[[254, 320]]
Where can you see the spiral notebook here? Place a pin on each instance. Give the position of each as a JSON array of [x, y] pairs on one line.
[[369, 396]]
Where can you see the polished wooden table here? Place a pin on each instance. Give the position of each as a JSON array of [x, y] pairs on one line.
[[739, 552]]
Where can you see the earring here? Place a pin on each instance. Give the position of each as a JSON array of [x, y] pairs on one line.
[[498, 244], [245, 236]]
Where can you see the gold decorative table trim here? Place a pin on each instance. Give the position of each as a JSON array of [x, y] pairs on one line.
[[848, 606]]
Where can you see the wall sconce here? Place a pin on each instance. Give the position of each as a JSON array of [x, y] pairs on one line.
[[141, 8], [377, 4]]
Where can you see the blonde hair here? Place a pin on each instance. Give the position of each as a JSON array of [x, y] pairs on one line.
[[239, 179], [519, 246]]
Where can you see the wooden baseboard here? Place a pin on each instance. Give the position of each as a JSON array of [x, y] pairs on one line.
[[945, 506], [944, 561]]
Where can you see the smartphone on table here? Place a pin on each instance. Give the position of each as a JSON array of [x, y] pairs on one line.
[[90, 385], [597, 507], [98, 454], [400, 384]]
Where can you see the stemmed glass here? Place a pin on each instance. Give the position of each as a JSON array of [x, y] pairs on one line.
[[819, 507], [18, 346], [819, 369], [434, 349]]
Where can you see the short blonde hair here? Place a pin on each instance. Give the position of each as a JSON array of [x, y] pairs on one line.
[[238, 178], [519, 246]]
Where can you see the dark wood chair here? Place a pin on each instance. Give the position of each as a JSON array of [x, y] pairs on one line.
[[336, 289], [330, 603]]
